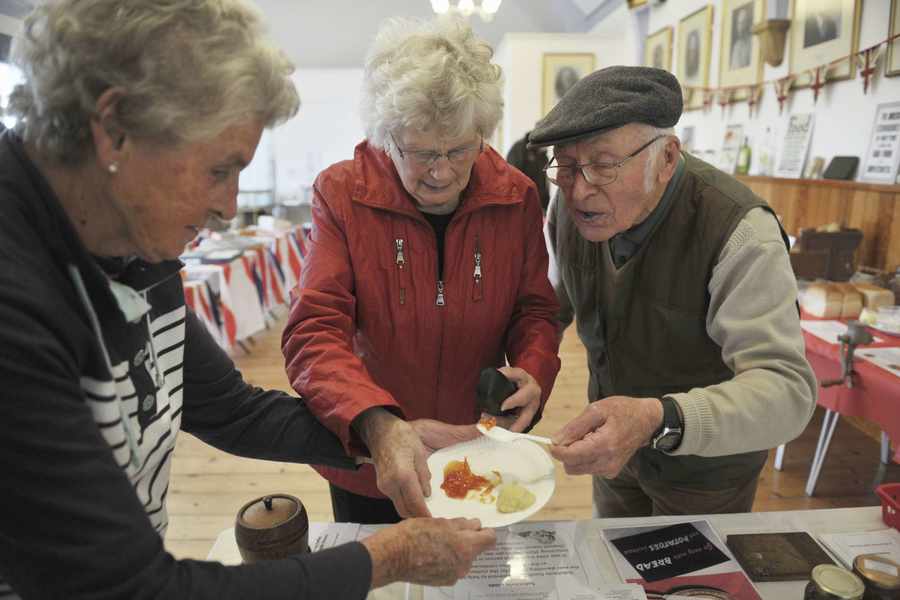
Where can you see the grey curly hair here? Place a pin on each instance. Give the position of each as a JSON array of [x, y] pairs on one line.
[[188, 69], [430, 74]]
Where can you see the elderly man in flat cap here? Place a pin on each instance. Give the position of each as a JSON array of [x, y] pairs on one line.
[[679, 281]]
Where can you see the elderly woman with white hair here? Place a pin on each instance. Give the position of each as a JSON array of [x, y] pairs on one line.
[[427, 265], [136, 119]]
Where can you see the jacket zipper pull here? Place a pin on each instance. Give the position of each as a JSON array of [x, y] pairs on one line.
[[477, 273], [398, 244], [440, 293]]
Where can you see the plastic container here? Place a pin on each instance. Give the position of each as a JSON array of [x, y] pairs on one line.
[[890, 504]]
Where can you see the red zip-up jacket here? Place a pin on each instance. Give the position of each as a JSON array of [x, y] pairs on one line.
[[366, 326]]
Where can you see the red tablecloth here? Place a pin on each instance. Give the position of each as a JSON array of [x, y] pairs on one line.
[[876, 392]]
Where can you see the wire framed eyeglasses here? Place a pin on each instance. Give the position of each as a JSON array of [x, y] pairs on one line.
[[598, 174], [428, 158]]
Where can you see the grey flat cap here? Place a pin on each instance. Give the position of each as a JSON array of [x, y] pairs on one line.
[[607, 99]]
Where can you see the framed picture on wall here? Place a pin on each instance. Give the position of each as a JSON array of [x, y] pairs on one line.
[[739, 57], [823, 31], [893, 50], [694, 46], [561, 72], [883, 158], [658, 49]]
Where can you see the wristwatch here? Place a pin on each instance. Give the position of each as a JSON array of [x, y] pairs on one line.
[[668, 437]]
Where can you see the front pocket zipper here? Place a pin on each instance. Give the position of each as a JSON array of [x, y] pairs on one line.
[[477, 292]]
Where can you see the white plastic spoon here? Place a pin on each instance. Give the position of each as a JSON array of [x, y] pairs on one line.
[[505, 435]]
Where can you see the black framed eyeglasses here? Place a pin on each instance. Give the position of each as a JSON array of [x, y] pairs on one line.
[[427, 158], [598, 174]]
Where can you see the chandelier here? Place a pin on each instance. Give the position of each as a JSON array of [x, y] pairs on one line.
[[486, 9]]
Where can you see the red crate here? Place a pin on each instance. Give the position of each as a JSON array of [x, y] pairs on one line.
[[890, 503]]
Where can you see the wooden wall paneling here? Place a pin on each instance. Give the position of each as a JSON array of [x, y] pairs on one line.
[[872, 208], [892, 243]]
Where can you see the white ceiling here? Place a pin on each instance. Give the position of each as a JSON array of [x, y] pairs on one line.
[[336, 33]]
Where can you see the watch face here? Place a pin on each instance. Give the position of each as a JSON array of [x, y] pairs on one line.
[[668, 440]]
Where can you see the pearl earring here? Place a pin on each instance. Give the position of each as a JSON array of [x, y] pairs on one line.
[[113, 168]]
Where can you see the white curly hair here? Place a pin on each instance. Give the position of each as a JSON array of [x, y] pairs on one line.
[[430, 75], [188, 70]]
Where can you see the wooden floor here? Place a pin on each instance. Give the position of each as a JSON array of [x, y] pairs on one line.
[[208, 486]]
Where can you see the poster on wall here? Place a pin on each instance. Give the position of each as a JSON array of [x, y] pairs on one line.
[[893, 52], [795, 147], [823, 31], [739, 56], [692, 56], [883, 157], [734, 135], [658, 49], [561, 72]]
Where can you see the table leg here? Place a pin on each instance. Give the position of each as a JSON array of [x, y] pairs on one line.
[[885, 449], [828, 425], [779, 457]]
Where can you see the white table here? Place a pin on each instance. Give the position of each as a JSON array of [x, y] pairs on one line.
[[813, 521]]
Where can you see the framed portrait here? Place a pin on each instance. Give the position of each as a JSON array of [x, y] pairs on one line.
[[893, 51], [823, 31], [739, 55], [692, 56], [658, 49], [561, 72]]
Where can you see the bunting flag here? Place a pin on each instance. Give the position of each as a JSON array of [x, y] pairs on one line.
[[725, 97], [754, 94], [867, 63], [782, 90], [819, 80], [708, 96]]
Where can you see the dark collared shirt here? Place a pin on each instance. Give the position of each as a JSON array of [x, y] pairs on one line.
[[624, 245]]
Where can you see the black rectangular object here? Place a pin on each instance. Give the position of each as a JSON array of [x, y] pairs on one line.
[[842, 167]]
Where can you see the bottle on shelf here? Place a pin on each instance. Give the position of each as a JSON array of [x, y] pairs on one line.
[[743, 161]]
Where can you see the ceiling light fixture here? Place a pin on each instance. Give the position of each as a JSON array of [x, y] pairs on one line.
[[486, 9]]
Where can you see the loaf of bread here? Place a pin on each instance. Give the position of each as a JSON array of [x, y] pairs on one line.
[[822, 300], [874, 297], [852, 303]]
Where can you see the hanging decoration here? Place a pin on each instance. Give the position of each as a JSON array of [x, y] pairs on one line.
[[819, 78], [753, 97], [867, 63], [708, 95], [782, 90]]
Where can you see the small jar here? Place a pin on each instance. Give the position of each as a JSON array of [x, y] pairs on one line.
[[880, 575], [829, 582], [272, 527]]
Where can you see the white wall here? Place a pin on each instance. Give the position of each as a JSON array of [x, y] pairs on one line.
[[844, 115], [521, 56], [324, 132]]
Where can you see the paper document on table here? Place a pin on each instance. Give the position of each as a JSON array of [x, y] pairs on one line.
[[680, 558], [329, 535], [847, 546], [533, 561], [828, 330], [886, 358]]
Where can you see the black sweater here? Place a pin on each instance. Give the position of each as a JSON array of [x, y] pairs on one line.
[[90, 406]]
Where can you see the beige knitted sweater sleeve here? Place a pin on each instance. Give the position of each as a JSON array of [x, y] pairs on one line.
[[753, 317]]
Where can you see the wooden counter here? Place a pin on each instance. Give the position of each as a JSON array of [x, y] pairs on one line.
[[872, 208]]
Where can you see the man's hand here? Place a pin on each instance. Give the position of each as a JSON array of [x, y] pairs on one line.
[[602, 439], [527, 399], [437, 434], [433, 552], [399, 457]]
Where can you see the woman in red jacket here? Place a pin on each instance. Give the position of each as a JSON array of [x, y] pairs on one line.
[[427, 264]]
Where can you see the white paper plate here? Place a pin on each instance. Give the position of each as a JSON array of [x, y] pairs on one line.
[[522, 460]]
